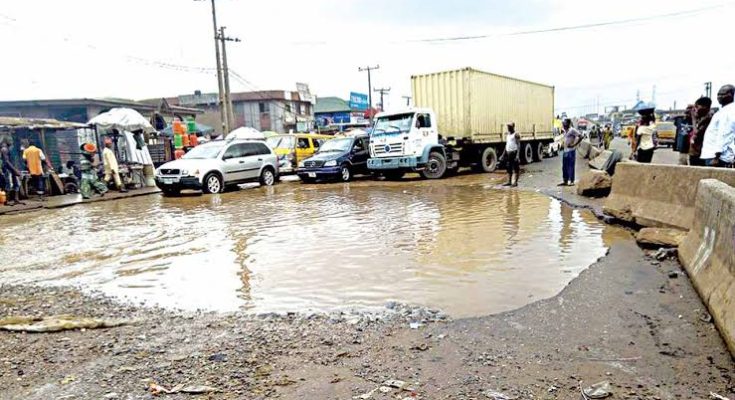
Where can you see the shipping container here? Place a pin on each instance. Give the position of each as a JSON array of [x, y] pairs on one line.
[[476, 106]]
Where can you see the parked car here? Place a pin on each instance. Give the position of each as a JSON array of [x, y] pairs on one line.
[[340, 158], [294, 148], [554, 148], [219, 164]]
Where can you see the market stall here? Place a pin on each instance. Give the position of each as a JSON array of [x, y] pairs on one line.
[[128, 131]]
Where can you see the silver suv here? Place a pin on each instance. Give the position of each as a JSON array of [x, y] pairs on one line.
[[214, 166]]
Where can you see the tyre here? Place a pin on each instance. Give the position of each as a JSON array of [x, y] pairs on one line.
[[526, 153], [489, 160], [345, 173], [394, 175], [267, 177], [436, 166], [538, 153], [212, 183]]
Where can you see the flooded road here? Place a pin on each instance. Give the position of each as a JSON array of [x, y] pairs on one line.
[[459, 245]]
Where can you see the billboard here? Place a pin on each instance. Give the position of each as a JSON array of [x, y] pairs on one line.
[[358, 101]]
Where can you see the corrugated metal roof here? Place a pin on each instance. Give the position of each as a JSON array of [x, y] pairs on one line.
[[37, 123], [331, 105]]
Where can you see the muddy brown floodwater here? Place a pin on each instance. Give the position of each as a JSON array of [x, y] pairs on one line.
[[459, 245]]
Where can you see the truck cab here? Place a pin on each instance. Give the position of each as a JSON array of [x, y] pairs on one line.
[[408, 141]]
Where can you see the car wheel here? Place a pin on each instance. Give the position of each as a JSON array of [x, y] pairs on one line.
[[267, 177], [345, 174], [212, 183], [489, 160], [436, 166]]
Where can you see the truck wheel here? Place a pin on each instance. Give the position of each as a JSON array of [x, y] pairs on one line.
[[489, 160], [435, 167], [538, 153], [526, 153], [394, 175]]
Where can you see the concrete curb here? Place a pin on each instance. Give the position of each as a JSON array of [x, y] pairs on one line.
[[708, 254]]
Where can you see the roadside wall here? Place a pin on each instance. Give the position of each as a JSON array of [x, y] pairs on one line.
[[659, 195], [708, 254]]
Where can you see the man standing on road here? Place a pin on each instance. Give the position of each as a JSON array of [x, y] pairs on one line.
[[34, 160], [112, 169], [512, 155], [702, 118], [572, 138], [718, 148], [12, 177]]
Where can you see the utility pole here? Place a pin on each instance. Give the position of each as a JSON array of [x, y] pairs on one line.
[[370, 88], [408, 100], [382, 92], [226, 73], [220, 83], [708, 89]]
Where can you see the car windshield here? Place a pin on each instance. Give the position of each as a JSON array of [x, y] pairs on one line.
[[394, 123], [281, 142], [336, 145], [205, 151]]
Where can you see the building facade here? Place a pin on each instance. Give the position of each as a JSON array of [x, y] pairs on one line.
[[272, 110]]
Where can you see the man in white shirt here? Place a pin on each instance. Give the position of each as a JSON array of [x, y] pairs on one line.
[[718, 149], [512, 155]]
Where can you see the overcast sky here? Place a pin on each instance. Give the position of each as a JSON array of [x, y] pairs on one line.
[[133, 48]]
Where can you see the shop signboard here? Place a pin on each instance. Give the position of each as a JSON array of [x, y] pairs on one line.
[[358, 101]]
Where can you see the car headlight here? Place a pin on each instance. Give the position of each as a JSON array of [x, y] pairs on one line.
[[332, 163], [196, 173], [301, 164]]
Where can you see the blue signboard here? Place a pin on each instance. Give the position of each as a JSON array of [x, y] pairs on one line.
[[358, 101], [327, 119]]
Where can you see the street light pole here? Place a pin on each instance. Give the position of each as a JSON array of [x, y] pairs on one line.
[[220, 82], [370, 88], [226, 73]]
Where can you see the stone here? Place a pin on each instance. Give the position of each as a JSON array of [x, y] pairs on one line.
[[660, 237], [594, 184]]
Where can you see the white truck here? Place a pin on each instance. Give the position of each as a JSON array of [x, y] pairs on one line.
[[459, 120]]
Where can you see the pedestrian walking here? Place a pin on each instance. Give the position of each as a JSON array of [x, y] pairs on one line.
[[512, 155], [702, 116], [644, 144], [12, 176], [572, 138], [112, 169], [718, 148], [607, 136], [34, 158], [90, 181], [684, 130]]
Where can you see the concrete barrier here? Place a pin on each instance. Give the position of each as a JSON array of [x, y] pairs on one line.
[[708, 254], [660, 196]]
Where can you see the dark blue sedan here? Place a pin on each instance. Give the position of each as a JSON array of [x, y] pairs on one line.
[[341, 158]]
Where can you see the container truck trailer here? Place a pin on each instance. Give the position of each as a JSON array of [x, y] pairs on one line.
[[458, 120]]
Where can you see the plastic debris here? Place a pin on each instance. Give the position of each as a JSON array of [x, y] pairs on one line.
[[717, 396], [56, 324], [599, 390], [416, 325], [491, 394]]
